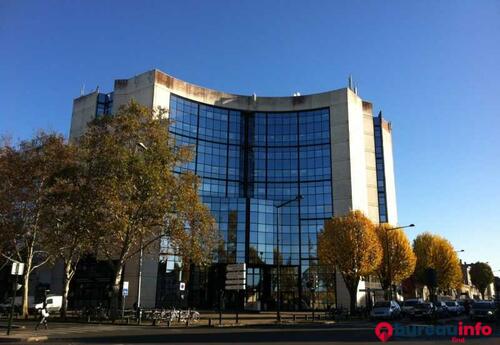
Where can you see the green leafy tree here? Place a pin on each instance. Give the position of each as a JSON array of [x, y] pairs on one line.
[[24, 172], [130, 160], [350, 243], [481, 276]]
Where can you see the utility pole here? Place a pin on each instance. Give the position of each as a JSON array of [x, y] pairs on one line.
[[17, 270]]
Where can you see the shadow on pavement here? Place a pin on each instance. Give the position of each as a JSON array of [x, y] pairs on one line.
[[269, 334], [248, 336]]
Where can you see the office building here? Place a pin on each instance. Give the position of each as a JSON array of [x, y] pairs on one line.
[[253, 153]]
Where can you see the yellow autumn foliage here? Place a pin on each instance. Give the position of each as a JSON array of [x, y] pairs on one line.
[[434, 251], [350, 244], [398, 259]]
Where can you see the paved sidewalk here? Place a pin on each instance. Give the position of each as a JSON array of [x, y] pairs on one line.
[[27, 333], [24, 331]]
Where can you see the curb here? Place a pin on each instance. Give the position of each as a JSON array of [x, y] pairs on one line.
[[34, 339]]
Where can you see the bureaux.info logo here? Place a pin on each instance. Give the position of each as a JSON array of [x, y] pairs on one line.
[[457, 333]]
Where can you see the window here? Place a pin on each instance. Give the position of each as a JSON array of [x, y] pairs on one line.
[[379, 160], [283, 155]]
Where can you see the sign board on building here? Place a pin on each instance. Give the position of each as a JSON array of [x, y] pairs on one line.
[[182, 286], [236, 277], [125, 289], [235, 281], [236, 267], [17, 268]]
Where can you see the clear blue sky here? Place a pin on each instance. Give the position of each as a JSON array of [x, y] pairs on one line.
[[433, 67]]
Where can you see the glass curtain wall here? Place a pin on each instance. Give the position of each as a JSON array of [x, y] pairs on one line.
[[249, 163]]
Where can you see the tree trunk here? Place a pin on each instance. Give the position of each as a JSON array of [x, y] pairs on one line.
[[26, 280], [352, 286], [69, 271], [385, 286], [116, 290], [25, 295]]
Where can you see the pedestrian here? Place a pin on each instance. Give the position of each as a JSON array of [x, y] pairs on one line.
[[44, 314]]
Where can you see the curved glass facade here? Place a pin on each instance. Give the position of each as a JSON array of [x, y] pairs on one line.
[[250, 162]]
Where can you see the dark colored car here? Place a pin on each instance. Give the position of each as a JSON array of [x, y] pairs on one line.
[[454, 308], [408, 306], [466, 304], [483, 310], [441, 309], [423, 311]]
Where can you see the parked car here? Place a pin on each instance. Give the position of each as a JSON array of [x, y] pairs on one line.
[[485, 310], [441, 309], [423, 311], [54, 303], [386, 310], [453, 308], [408, 306], [466, 303]]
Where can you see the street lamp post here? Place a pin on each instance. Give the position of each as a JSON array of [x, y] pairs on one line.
[[278, 265], [141, 253], [389, 268]]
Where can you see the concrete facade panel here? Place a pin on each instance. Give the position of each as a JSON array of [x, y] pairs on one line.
[[84, 111], [357, 153], [392, 212]]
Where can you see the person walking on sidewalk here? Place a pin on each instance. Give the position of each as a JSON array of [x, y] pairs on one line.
[[44, 314]]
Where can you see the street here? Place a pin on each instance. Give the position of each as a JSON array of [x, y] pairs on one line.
[[356, 332]]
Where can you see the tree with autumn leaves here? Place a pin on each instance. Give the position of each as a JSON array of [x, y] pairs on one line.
[[398, 259], [350, 244], [130, 161], [67, 217], [113, 192], [436, 253], [357, 247], [25, 173]]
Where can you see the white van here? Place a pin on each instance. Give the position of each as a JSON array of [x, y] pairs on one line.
[[54, 303]]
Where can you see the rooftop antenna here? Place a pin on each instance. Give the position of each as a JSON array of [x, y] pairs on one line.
[[97, 89], [380, 114], [82, 89], [350, 81]]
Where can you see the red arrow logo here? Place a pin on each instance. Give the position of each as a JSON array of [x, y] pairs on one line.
[[384, 331]]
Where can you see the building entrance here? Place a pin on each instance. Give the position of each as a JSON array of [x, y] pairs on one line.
[[262, 288]]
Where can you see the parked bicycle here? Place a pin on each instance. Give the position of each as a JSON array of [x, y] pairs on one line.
[[189, 315], [174, 315], [98, 313]]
